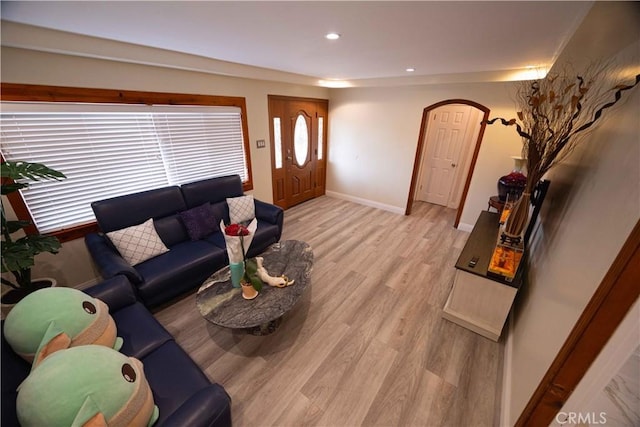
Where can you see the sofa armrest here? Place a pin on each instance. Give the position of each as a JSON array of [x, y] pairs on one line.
[[116, 292], [209, 407], [108, 260], [268, 212]]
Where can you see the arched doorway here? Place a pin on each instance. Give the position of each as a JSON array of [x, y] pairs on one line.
[[422, 146]]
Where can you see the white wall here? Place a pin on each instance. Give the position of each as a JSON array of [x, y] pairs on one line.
[[374, 135], [592, 205]]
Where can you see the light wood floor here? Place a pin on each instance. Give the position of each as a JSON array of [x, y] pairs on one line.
[[367, 345]]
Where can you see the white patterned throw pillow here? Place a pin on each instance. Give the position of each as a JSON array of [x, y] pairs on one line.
[[138, 243], [241, 209]]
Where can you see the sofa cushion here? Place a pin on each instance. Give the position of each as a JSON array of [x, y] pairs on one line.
[[241, 209], [141, 332], [211, 190], [14, 371], [173, 377], [265, 236], [138, 243], [123, 211], [217, 239], [209, 407], [200, 221], [221, 212], [183, 268], [171, 230]]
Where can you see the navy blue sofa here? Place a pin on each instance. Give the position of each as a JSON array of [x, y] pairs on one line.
[[187, 263], [182, 391]]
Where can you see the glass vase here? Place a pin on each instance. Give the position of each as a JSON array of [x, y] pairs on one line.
[[518, 219], [237, 271], [513, 184]]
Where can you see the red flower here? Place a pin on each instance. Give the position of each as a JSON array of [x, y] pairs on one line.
[[515, 179], [236, 230]]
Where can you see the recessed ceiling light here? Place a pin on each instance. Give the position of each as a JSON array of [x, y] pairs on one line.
[[332, 36], [410, 70]]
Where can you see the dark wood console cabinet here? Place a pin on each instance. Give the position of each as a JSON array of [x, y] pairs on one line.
[[478, 300]]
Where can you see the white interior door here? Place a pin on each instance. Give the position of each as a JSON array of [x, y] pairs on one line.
[[445, 136]]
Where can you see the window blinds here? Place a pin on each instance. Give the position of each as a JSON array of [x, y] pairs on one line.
[[107, 150]]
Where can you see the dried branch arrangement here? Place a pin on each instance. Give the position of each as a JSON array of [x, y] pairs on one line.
[[557, 111]]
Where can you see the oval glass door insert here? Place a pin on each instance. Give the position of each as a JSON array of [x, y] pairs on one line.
[[301, 140]]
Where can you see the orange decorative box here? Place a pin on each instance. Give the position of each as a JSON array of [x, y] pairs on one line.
[[505, 261]]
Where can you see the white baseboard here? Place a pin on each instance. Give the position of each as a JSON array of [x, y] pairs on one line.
[[366, 202], [507, 377], [465, 227]]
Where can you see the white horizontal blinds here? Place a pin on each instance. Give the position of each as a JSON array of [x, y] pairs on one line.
[[102, 154], [196, 146], [111, 150]]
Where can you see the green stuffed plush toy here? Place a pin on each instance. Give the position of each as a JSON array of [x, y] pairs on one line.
[[52, 319], [90, 385]]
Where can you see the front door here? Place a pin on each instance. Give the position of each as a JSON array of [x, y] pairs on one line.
[[298, 148], [445, 137]]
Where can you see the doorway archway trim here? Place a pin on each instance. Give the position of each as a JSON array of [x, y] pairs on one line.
[[421, 146]]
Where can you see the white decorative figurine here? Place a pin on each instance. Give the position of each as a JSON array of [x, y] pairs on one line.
[[279, 282]]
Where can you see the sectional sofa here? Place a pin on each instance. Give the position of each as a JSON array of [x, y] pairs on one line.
[[188, 261], [181, 390]]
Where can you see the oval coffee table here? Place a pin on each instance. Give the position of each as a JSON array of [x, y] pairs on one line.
[[223, 305]]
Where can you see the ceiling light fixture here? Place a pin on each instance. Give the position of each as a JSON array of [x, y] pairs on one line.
[[332, 36], [334, 83], [410, 70]]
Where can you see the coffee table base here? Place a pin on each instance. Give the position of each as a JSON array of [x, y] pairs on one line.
[[266, 328]]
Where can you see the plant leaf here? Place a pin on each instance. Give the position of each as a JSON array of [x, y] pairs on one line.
[[16, 256], [13, 226], [251, 271], [27, 170], [13, 187], [256, 282]]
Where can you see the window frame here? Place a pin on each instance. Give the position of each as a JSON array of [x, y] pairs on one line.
[[45, 93]]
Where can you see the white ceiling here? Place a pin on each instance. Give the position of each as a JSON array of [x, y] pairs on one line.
[[380, 39]]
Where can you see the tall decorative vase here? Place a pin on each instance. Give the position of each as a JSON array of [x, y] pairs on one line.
[[518, 219], [237, 271], [512, 185]]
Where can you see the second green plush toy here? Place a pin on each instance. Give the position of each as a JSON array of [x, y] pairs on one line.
[[90, 385]]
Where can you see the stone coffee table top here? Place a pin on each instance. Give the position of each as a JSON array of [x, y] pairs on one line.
[[222, 304]]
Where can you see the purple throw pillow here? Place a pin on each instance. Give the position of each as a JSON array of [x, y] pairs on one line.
[[199, 221]]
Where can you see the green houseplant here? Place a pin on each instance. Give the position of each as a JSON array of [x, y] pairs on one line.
[[18, 254]]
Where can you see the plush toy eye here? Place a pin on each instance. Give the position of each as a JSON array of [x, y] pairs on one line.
[[128, 372], [88, 307]]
